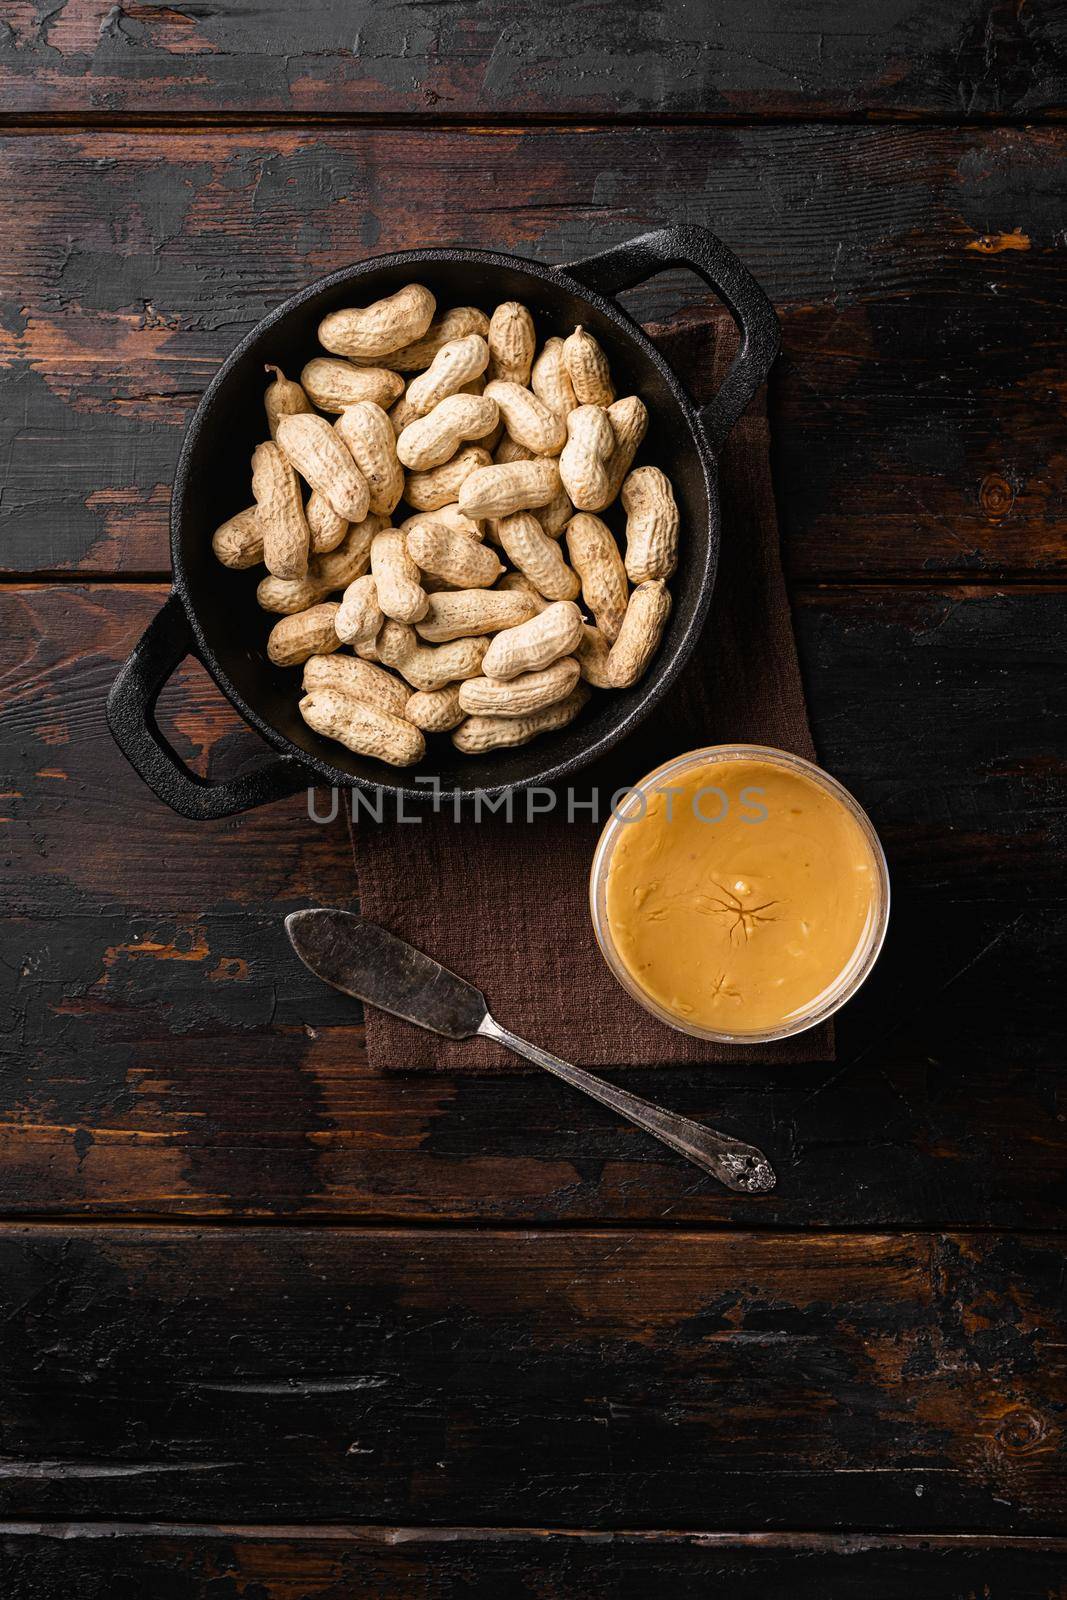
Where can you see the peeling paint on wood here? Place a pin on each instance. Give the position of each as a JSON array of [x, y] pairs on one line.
[[914, 367], [164, 1057], [659, 1380], [622, 58], [174, 1562]]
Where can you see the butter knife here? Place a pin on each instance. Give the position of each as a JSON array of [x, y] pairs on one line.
[[371, 964]]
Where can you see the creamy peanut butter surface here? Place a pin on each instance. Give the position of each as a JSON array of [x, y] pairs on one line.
[[737, 900]]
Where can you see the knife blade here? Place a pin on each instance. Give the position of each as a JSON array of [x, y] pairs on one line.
[[373, 965]]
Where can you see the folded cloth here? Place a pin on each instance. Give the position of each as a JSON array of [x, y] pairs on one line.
[[505, 904]]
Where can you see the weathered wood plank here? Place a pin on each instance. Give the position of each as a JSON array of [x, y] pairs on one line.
[[919, 272], [960, 60], [205, 1072], [941, 708], [108, 1561], [835, 1381]]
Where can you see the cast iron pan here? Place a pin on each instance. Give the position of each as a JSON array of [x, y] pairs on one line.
[[212, 612]]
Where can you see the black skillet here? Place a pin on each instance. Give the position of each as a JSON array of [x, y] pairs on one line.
[[212, 613]]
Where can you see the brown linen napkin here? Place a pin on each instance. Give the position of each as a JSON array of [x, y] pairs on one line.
[[506, 904]]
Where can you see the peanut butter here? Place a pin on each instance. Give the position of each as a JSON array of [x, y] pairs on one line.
[[738, 898]]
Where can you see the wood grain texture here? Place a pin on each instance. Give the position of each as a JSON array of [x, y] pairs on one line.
[[617, 57], [303, 1413], [205, 1072], [108, 1561], [919, 274], [642, 1380]]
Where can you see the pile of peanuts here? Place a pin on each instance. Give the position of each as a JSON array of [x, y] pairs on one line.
[[462, 617]]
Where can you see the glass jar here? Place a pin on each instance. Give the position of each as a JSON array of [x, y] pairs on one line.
[[865, 953]]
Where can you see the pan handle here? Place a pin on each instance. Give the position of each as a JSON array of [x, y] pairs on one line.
[[131, 716], [628, 264]]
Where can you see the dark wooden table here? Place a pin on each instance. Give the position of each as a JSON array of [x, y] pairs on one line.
[[276, 1326]]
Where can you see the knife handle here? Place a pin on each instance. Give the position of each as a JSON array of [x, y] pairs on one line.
[[737, 1165]]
